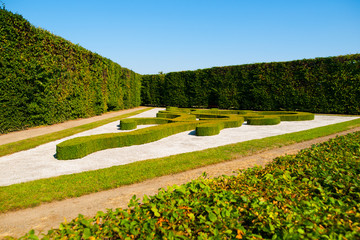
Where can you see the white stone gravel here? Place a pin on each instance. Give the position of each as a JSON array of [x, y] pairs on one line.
[[40, 163]]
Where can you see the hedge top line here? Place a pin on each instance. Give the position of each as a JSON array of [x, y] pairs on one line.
[[174, 120], [341, 58], [246, 114]]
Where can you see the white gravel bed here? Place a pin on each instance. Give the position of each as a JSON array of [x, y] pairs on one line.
[[40, 162]]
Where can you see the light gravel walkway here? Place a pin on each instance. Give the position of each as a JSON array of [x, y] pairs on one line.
[[40, 163]]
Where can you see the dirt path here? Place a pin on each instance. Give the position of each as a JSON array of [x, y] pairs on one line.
[[50, 215], [42, 130]]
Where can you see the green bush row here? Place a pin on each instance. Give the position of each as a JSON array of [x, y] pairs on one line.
[[268, 120], [210, 122], [131, 123], [213, 127], [311, 195], [209, 129], [172, 123], [128, 124], [246, 114], [82, 146], [45, 79], [289, 116], [321, 85]]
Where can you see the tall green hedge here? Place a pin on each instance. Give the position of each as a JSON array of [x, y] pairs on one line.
[[45, 79], [321, 85]]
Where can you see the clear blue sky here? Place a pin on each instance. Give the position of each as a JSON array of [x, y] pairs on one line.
[[149, 36]]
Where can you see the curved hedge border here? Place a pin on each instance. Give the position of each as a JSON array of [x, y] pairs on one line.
[[209, 129], [268, 120], [132, 123], [128, 124], [82, 146], [176, 120]]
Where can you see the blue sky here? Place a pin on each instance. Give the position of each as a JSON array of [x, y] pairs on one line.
[[149, 36]]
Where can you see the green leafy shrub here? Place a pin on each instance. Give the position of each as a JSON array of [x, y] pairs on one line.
[[45, 79], [311, 195], [320, 85]]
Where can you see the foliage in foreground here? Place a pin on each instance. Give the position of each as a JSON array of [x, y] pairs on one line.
[[314, 194]]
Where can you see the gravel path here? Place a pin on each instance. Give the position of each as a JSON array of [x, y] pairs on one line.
[[40, 162]]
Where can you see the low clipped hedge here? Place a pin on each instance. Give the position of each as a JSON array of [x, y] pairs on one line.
[[311, 195], [246, 114], [128, 124], [176, 109], [264, 121], [209, 129], [290, 116], [82, 146], [176, 116], [174, 120], [131, 123]]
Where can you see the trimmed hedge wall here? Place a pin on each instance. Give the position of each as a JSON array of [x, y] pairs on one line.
[[45, 79], [321, 85]]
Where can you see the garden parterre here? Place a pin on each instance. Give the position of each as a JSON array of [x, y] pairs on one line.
[[40, 162], [311, 195]]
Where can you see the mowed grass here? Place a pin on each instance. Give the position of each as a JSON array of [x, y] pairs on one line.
[[29, 143], [30, 194]]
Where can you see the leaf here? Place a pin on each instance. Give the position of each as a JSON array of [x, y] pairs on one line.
[[87, 233], [239, 234], [155, 211], [212, 217], [301, 231]]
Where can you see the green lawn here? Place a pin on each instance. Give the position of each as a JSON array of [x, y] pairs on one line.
[[33, 193]]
